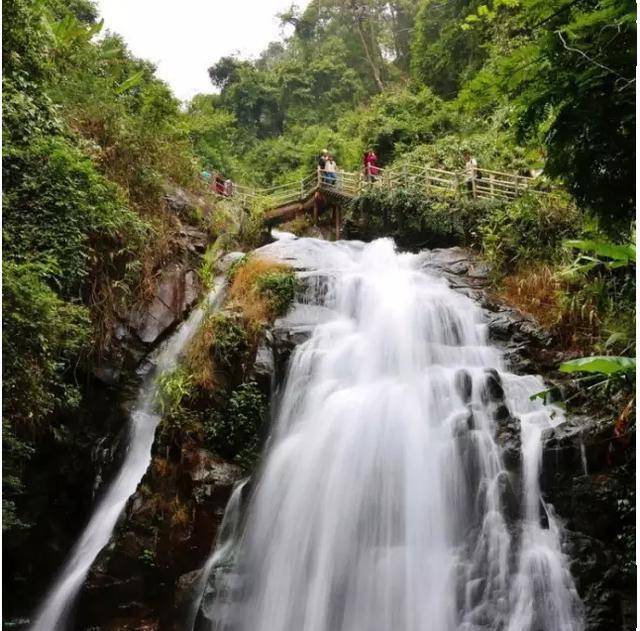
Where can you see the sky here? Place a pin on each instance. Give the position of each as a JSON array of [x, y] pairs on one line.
[[185, 37]]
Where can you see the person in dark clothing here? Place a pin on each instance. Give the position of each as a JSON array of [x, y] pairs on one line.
[[322, 163]]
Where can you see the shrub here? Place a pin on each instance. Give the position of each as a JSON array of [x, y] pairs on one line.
[[411, 217], [42, 337], [172, 388], [261, 289], [531, 228], [59, 208], [279, 288], [235, 432], [220, 345]]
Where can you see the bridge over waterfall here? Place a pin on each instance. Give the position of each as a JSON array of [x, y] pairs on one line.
[[307, 195]]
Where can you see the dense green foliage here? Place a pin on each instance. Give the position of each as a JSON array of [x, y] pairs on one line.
[[508, 232], [279, 289], [91, 137], [410, 217], [236, 432], [524, 83], [568, 71]]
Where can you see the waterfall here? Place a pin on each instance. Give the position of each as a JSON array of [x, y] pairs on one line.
[[56, 609], [385, 501]]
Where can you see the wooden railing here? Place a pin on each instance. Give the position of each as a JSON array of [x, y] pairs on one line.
[[487, 184]]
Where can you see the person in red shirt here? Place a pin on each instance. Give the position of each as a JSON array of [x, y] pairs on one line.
[[371, 169]]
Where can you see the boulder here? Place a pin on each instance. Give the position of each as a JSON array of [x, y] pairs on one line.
[[176, 292], [225, 263]]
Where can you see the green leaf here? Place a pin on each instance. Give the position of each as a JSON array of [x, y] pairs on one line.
[[623, 253], [133, 81], [602, 364]]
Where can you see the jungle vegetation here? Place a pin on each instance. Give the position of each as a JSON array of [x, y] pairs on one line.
[[92, 138]]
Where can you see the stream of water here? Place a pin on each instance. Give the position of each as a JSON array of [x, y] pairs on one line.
[[384, 502], [55, 612]]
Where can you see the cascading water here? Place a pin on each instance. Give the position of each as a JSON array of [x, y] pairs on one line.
[[384, 502], [55, 611]]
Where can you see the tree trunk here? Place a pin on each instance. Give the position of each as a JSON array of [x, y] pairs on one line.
[[367, 50]]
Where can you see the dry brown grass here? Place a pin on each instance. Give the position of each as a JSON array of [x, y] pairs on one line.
[[162, 467], [244, 293], [162, 246], [200, 356], [536, 292], [181, 514], [543, 294], [224, 338]]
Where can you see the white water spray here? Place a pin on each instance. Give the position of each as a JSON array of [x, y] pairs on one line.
[[55, 611], [384, 503]]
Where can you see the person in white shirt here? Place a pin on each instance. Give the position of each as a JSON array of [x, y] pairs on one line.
[[330, 169], [470, 170]]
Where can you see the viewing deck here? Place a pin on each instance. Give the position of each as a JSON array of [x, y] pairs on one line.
[[286, 201]]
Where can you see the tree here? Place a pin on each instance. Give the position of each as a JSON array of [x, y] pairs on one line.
[[570, 79]]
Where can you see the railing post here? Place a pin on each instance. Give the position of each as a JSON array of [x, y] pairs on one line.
[[491, 186], [517, 183], [473, 187]]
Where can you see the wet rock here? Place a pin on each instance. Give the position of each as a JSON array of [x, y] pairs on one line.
[[296, 327], [185, 588], [500, 327], [454, 260], [168, 530], [176, 291], [264, 367], [185, 204], [464, 385], [196, 239], [508, 437], [225, 263], [510, 496], [588, 480], [597, 578], [493, 390], [502, 413], [479, 270], [179, 201], [464, 271], [204, 468]]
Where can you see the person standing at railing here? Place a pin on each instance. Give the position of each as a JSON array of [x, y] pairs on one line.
[[470, 171], [322, 162], [330, 170], [370, 160], [219, 185]]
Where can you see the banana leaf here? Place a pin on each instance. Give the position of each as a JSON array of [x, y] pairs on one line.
[[602, 364]]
